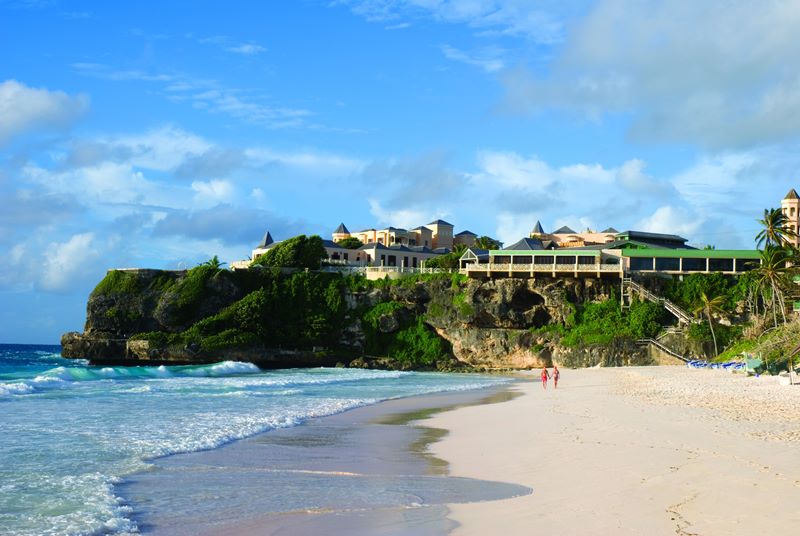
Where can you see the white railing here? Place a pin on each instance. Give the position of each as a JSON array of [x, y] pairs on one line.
[[383, 269], [543, 268], [405, 270], [351, 269]]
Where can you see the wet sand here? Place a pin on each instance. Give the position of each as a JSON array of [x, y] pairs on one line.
[[365, 471]]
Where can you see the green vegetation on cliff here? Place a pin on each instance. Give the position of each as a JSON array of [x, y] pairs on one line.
[[410, 342], [688, 292], [605, 321], [298, 311]]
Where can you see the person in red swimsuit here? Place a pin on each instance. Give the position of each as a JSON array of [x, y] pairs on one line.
[[556, 375], [545, 376]]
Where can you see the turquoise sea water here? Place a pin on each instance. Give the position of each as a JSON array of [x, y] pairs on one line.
[[70, 432]]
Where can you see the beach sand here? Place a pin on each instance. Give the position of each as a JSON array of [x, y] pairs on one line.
[[652, 450]]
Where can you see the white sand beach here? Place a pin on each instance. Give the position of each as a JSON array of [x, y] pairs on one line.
[[656, 450]]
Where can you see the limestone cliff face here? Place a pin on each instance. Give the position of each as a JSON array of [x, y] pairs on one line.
[[489, 324], [492, 324]]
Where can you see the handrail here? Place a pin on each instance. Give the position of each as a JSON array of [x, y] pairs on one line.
[[668, 305], [669, 331], [664, 348]]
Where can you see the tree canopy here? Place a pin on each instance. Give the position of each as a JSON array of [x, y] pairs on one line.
[[486, 242], [351, 242], [297, 252]]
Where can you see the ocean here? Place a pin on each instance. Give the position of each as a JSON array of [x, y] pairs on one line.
[[70, 433]]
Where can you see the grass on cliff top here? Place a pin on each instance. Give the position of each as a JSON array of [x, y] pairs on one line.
[[361, 283], [118, 282], [125, 282]]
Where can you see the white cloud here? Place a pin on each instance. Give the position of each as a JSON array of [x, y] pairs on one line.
[[488, 60], [403, 217], [511, 227], [24, 108], [64, 262], [672, 220], [104, 72], [246, 107], [246, 49], [506, 17], [632, 177], [509, 169], [208, 95], [520, 191], [16, 254], [310, 161], [162, 149], [213, 192], [715, 73]]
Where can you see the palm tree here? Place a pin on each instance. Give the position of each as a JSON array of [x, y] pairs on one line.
[[214, 262], [709, 306], [486, 242], [772, 274], [775, 229]]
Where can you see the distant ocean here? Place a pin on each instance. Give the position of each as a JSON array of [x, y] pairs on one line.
[[70, 432]]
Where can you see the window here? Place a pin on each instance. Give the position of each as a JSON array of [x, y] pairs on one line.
[[392, 260], [642, 263], [345, 256], [414, 262], [668, 265], [694, 265], [720, 265]]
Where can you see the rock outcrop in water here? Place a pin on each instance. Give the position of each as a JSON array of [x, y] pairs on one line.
[[491, 324]]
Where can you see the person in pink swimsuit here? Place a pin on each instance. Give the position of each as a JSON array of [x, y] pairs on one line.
[[556, 376], [545, 377]]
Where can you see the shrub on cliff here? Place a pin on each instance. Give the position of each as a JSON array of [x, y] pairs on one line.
[[297, 252], [413, 344], [606, 321], [687, 293], [296, 311]]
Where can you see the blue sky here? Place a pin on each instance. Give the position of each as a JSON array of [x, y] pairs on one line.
[[159, 135]]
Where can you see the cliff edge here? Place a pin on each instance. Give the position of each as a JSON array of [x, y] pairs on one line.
[[299, 319]]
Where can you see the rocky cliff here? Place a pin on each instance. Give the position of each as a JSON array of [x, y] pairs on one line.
[[496, 324]]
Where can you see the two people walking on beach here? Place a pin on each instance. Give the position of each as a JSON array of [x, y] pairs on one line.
[[546, 376]]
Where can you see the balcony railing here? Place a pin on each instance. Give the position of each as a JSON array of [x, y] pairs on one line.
[[543, 268]]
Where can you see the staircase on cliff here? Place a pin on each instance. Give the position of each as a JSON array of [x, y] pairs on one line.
[[629, 287], [664, 348]]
